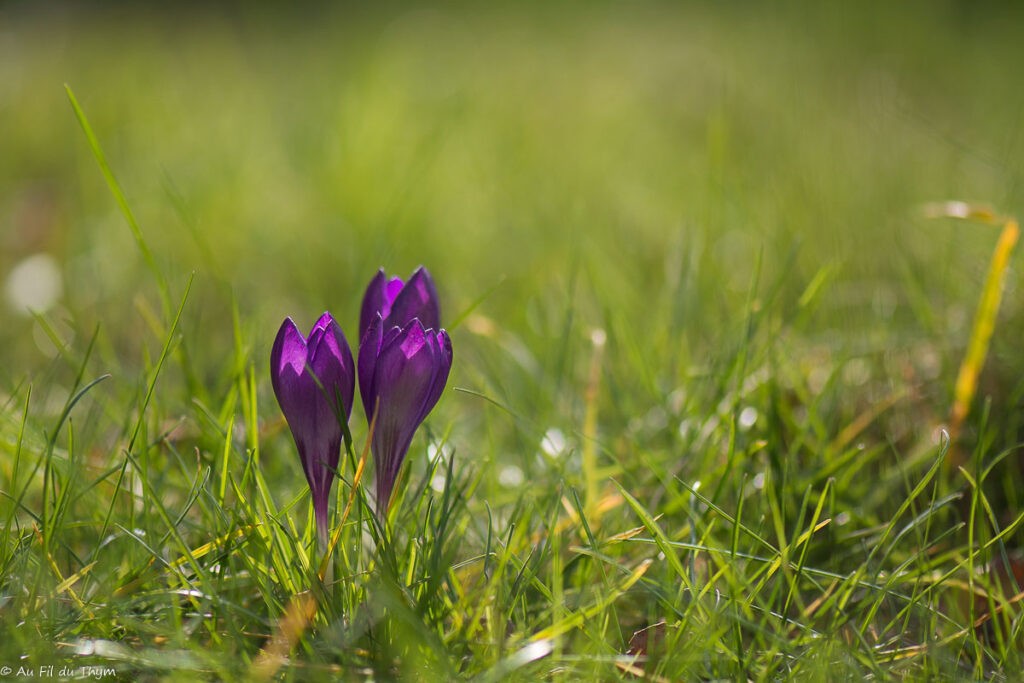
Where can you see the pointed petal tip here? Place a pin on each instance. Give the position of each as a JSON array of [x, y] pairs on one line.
[[380, 294], [286, 324], [289, 346], [422, 271], [423, 281]]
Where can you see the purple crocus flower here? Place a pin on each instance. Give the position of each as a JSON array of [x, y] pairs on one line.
[[403, 367], [399, 302], [314, 381]]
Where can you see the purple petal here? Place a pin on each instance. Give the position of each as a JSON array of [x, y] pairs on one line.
[[369, 348], [369, 351], [323, 322], [417, 299], [391, 290], [374, 301], [289, 350], [288, 376], [379, 297], [330, 360], [444, 366]]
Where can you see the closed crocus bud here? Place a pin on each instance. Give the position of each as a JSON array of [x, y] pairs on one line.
[[398, 303], [314, 381], [402, 372]]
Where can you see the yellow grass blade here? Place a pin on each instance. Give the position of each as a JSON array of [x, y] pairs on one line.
[[215, 544], [985, 317], [984, 324], [582, 616]]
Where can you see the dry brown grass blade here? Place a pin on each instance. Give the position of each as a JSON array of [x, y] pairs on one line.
[[865, 420], [293, 623]]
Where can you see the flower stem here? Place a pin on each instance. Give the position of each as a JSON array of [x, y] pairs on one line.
[[322, 538], [322, 530]]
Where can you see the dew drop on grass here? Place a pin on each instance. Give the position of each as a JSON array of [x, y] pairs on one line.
[[437, 483]]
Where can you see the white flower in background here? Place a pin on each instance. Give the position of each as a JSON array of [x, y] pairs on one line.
[[554, 442], [34, 284], [434, 450], [747, 418], [511, 476]]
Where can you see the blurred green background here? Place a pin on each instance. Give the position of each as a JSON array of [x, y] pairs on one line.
[[624, 166]]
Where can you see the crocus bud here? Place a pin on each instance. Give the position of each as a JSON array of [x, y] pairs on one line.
[[398, 303], [403, 368], [314, 380]]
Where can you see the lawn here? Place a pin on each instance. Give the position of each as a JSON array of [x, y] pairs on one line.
[[717, 278]]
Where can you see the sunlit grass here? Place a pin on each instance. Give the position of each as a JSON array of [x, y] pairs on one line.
[[705, 343]]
